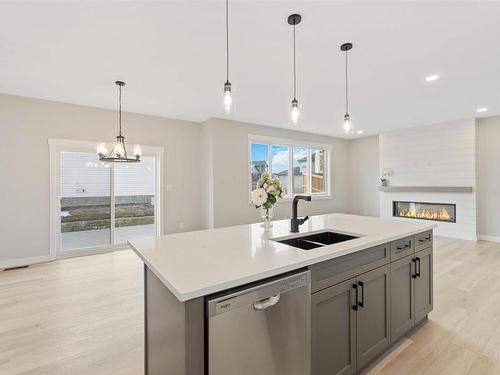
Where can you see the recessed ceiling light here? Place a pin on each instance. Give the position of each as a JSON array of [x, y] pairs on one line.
[[482, 109], [432, 77], [359, 131]]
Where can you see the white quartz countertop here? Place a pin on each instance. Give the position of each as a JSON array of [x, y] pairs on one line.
[[195, 264]]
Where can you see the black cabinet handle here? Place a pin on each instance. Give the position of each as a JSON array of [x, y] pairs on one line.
[[362, 302], [422, 240], [355, 306], [403, 247], [414, 275], [417, 269]]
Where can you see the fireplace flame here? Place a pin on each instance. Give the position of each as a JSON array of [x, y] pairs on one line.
[[442, 214]]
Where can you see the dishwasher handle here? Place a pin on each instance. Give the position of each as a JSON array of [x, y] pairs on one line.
[[266, 303]]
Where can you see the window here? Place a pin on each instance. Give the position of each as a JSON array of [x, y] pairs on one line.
[[96, 205], [301, 168], [318, 158], [279, 162], [259, 162]]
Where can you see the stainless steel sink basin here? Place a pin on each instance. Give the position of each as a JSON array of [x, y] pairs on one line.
[[313, 241]]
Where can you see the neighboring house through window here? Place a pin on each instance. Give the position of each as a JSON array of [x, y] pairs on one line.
[[301, 167]]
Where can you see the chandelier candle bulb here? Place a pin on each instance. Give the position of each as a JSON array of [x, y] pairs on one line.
[[137, 151], [102, 149]]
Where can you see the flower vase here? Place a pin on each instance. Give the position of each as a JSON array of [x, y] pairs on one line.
[[266, 212]]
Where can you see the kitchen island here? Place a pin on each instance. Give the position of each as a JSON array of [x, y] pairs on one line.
[[355, 313]]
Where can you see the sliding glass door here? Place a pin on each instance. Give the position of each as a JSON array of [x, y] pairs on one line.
[[85, 201], [134, 200], [101, 205]]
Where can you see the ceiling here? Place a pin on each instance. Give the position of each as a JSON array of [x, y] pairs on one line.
[[171, 55]]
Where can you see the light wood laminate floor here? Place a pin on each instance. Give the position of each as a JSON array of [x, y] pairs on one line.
[[85, 316]]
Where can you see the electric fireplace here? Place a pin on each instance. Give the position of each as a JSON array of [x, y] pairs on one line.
[[425, 211]]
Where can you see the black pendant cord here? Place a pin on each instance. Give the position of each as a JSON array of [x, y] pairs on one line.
[[120, 109], [227, 40], [346, 87], [294, 68]]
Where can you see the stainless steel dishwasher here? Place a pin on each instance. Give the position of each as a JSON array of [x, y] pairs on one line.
[[261, 330]]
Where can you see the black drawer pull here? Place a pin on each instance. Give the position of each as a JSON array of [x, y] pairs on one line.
[[414, 275], [355, 306], [417, 269], [362, 302], [422, 240], [403, 247]]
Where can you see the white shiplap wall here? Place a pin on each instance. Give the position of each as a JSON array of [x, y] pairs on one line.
[[437, 155]]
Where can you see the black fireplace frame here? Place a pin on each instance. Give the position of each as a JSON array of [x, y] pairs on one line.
[[423, 218]]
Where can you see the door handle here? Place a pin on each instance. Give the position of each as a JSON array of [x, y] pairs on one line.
[[414, 275], [355, 306], [362, 302], [266, 303], [417, 269]]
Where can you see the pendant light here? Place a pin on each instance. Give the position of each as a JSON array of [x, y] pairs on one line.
[[347, 118], [119, 151], [294, 20], [228, 99]]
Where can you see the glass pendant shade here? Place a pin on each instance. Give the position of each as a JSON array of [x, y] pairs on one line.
[[295, 112], [347, 124], [228, 98]]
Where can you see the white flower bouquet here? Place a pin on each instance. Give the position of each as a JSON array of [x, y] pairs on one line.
[[267, 192]]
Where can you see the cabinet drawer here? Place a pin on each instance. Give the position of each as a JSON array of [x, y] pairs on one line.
[[334, 271], [402, 247], [423, 240]]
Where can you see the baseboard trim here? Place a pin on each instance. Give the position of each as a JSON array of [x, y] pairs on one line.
[[24, 261], [469, 237], [484, 237]]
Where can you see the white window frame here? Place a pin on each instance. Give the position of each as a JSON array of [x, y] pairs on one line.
[[290, 143], [56, 146]]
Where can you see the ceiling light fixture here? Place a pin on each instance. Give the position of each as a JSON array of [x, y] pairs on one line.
[[482, 109], [347, 118], [119, 151], [359, 132], [294, 20], [432, 78], [228, 99]]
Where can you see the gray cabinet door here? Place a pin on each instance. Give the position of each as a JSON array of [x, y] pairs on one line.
[[334, 330], [373, 315], [423, 284], [402, 296]]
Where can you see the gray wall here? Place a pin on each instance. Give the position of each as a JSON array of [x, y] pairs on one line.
[[26, 124], [229, 155], [364, 179], [488, 178]]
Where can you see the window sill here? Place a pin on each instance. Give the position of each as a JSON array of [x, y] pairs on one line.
[[314, 197]]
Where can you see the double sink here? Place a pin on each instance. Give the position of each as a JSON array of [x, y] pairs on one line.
[[313, 241]]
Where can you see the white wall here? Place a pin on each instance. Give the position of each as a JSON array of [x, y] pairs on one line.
[[488, 178], [25, 126], [230, 172], [435, 155], [364, 178]]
